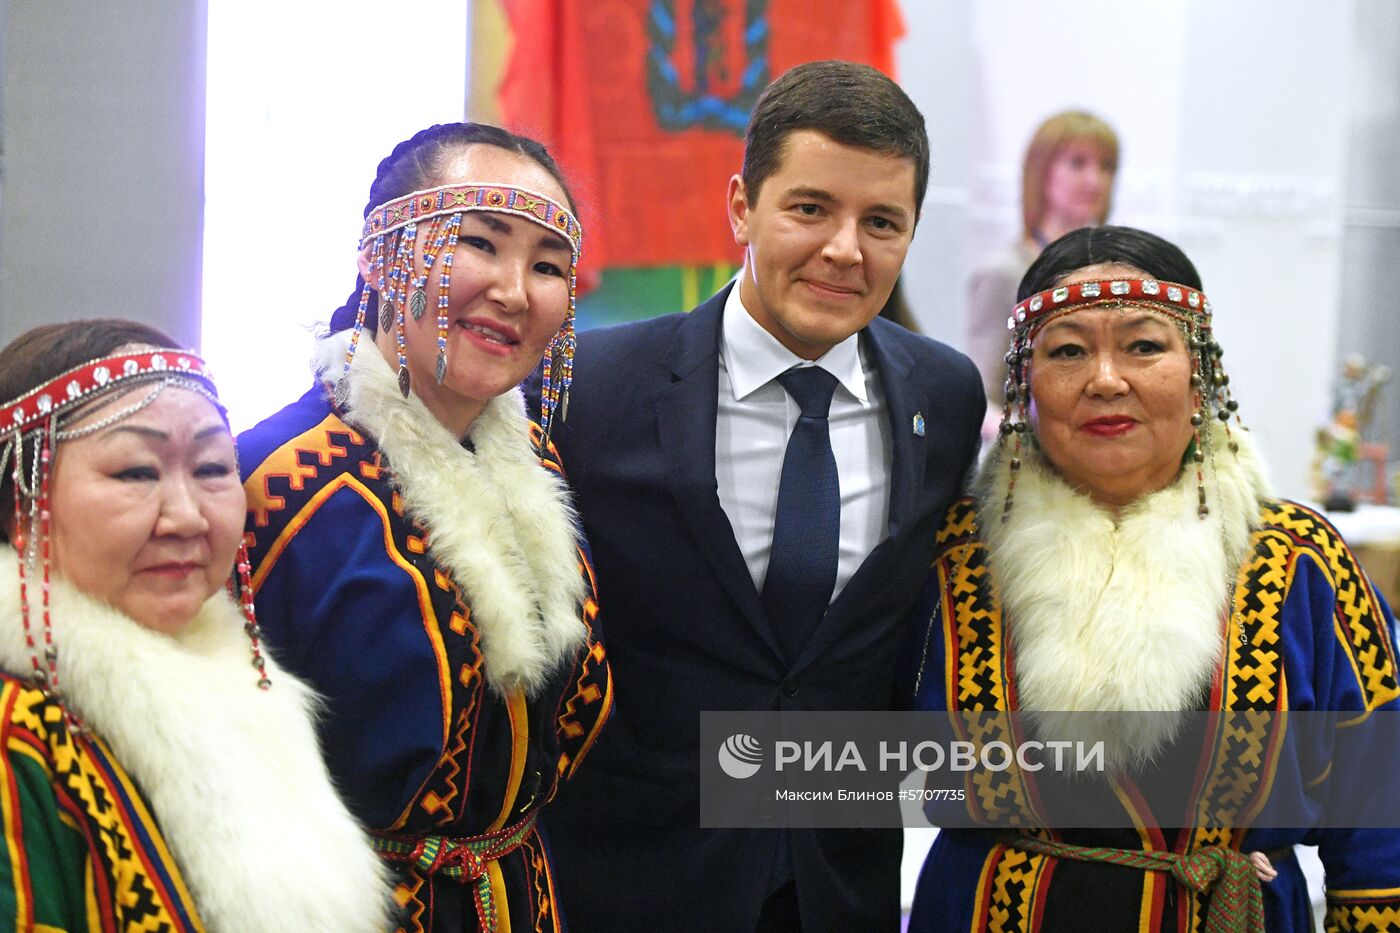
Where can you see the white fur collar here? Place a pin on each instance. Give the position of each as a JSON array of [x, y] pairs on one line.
[[497, 520], [1120, 614], [232, 773]]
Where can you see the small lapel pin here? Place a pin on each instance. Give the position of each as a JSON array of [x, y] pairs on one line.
[[918, 424]]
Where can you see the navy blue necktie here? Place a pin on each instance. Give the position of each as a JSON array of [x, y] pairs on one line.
[[802, 565]]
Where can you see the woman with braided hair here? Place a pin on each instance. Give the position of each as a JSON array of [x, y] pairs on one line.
[[1122, 563], [414, 554]]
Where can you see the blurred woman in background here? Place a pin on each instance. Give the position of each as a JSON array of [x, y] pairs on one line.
[[1066, 183]]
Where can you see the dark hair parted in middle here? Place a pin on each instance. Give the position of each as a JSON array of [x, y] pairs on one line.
[[1090, 246], [855, 105], [417, 163]]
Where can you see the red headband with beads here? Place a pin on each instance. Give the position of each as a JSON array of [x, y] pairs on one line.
[[71, 389], [1180, 301]]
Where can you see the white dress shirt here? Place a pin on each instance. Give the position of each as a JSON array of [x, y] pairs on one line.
[[756, 417]]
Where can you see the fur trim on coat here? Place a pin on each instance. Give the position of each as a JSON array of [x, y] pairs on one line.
[[1126, 612], [497, 520], [232, 773]]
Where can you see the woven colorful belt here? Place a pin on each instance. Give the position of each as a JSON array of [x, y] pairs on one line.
[[462, 859], [1236, 901]]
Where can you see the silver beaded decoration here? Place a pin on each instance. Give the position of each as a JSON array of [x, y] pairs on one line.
[[454, 226]]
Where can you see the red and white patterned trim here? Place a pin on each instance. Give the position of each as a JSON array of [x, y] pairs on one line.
[[72, 388], [1178, 300]]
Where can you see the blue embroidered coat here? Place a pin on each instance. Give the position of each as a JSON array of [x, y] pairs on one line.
[[1306, 631], [362, 589]]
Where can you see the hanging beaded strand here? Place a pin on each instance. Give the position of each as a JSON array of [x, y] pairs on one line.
[[1022, 392], [399, 246], [250, 625], [454, 227], [569, 342], [45, 543], [35, 554], [393, 247], [376, 263], [398, 289], [403, 272], [559, 365], [1200, 371], [24, 542], [552, 376], [359, 326], [1227, 406], [418, 301], [1017, 380], [1006, 427], [1018, 361]]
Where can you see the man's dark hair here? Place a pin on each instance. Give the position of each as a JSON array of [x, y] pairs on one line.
[[856, 105]]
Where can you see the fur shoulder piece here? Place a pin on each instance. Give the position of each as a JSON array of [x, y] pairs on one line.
[[1124, 612], [497, 520], [232, 773]]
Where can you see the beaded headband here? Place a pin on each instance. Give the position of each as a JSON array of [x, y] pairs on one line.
[[1179, 301], [33, 418], [1186, 305], [398, 286], [78, 385], [473, 196]]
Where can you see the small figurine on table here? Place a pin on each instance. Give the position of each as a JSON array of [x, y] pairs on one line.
[[1341, 444]]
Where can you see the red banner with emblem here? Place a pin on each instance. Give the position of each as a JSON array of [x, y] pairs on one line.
[[644, 104]]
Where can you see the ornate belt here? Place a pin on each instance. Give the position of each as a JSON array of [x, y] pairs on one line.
[[461, 858], [1236, 902]]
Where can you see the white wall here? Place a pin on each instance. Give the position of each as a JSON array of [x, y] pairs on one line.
[[101, 187], [299, 117], [1370, 273]]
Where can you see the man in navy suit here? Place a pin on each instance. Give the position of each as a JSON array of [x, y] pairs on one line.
[[705, 527]]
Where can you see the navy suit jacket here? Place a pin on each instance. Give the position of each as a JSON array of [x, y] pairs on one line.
[[685, 631]]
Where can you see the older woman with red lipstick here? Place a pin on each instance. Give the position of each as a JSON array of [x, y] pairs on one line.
[[413, 552], [1123, 552]]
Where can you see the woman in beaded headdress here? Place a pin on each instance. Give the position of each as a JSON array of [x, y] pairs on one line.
[[1123, 552], [152, 778], [414, 553]]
